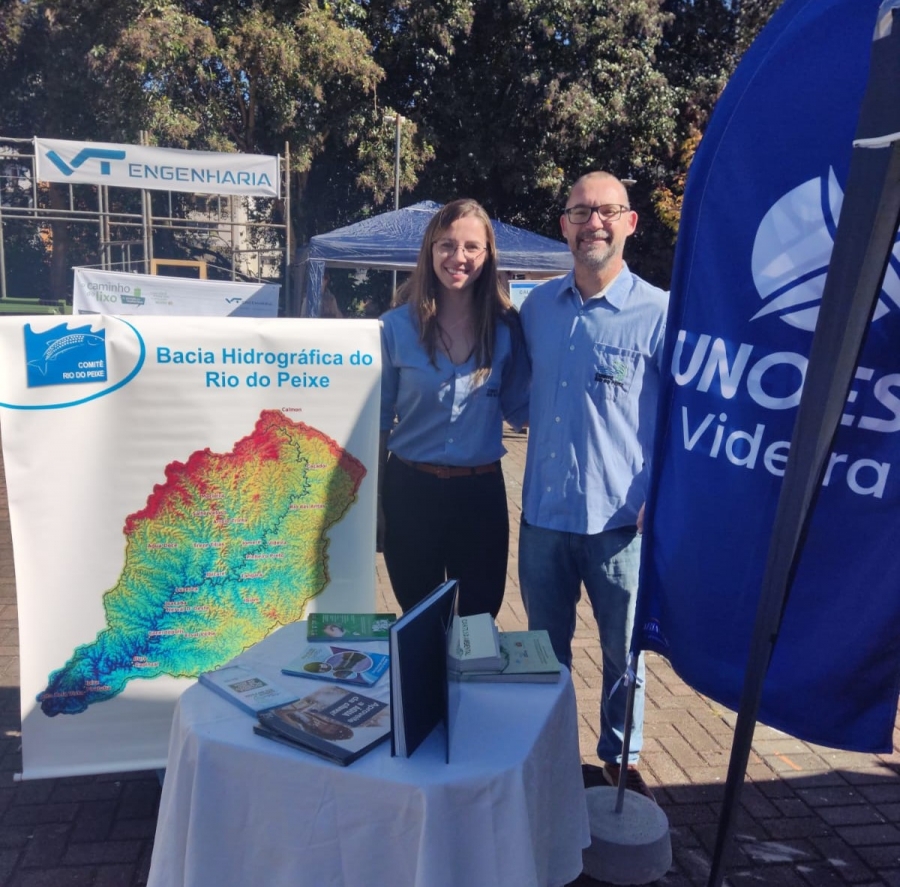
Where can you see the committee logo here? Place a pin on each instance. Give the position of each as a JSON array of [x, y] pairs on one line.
[[792, 250], [63, 356]]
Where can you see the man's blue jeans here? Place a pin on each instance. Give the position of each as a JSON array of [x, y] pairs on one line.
[[552, 566]]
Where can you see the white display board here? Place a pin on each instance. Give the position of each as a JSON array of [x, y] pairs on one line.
[[136, 295], [177, 491]]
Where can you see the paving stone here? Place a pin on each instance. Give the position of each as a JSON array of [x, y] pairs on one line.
[[91, 790], [140, 799], [94, 822], [35, 814], [858, 814], [861, 836], [880, 856], [8, 859], [128, 829], [46, 845], [103, 852], [114, 876], [783, 828], [56, 877]]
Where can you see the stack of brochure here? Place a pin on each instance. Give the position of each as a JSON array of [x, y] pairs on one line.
[[475, 644]]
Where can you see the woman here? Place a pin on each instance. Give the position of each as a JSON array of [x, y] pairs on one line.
[[454, 366]]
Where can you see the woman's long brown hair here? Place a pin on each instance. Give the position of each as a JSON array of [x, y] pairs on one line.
[[490, 296]]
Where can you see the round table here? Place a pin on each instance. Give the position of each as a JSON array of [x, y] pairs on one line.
[[509, 809]]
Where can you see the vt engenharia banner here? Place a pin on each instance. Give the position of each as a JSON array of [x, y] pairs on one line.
[[763, 198], [115, 292], [177, 492], [156, 169]]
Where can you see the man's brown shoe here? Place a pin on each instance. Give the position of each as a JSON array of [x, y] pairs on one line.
[[633, 779]]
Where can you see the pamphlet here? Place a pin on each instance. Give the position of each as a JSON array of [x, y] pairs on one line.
[[328, 662], [246, 688], [336, 723], [327, 627]]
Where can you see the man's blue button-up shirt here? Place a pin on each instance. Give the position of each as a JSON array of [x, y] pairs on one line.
[[596, 369]]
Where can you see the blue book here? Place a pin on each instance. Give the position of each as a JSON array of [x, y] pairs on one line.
[[420, 698], [329, 662]]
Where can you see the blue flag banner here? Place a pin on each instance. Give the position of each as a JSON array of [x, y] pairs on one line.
[[763, 199]]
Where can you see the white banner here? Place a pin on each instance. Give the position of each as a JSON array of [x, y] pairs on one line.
[[115, 292], [156, 169], [197, 483]]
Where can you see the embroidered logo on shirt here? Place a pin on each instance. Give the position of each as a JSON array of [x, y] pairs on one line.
[[492, 392], [616, 375]]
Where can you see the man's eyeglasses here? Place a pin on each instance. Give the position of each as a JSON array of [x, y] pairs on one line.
[[609, 212], [448, 248]]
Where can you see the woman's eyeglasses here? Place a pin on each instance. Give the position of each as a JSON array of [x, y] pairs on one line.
[[448, 248]]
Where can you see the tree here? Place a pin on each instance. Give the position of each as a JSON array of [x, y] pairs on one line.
[[507, 102], [519, 98]]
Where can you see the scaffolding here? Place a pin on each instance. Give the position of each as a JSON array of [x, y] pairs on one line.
[[115, 228]]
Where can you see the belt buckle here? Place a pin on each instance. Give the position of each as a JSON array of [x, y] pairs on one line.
[[443, 471]]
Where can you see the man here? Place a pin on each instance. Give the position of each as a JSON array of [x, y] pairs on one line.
[[329, 306], [595, 340]]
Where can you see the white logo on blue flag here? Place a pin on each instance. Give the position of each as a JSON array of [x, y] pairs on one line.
[[792, 250]]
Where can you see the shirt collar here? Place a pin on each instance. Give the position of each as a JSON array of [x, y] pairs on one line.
[[614, 293]]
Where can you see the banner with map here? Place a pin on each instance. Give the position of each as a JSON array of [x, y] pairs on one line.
[[178, 490]]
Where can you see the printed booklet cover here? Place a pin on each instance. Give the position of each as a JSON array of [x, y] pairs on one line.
[[245, 688], [348, 626], [332, 663], [528, 657], [336, 723]]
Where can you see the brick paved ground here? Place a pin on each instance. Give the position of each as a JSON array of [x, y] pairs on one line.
[[810, 817]]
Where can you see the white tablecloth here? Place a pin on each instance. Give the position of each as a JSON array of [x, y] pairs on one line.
[[509, 810]]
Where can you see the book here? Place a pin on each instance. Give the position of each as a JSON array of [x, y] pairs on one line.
[[247, 689], [475, 644], [336, 723], [325, 627], [419, 642], [329, 662], [528, 657]]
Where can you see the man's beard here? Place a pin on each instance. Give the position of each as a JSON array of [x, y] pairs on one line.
[[596, 258]]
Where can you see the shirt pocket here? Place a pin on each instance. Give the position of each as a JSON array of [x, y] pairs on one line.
[[612, 372]]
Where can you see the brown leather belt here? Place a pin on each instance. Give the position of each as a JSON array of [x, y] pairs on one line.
[[445, 471]]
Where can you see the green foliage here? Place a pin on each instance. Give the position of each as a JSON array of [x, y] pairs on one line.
[[506, 101]]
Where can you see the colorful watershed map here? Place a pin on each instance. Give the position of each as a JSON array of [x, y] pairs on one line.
[[229, 548]]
